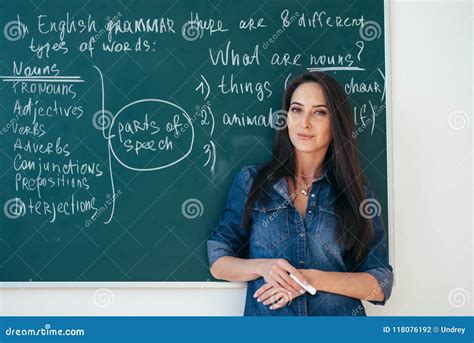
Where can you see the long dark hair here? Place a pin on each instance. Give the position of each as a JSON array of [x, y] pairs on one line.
[[342, 162]]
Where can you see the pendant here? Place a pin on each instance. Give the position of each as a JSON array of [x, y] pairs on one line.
[[304, 192]]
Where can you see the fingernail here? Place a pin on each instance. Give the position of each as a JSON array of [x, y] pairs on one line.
[[258, 300], [255, 295], [271, 307]]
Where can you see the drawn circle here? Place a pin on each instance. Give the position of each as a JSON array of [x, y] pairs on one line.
[[158, 160]]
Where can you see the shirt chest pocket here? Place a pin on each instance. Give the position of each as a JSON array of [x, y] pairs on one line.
[[270, 227], [327, 230]]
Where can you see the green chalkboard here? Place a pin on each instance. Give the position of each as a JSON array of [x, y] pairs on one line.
[[124, 122]]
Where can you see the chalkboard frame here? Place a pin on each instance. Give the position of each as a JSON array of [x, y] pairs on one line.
[[24, 285]]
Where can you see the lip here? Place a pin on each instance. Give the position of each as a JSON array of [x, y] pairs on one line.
[[304, 137]]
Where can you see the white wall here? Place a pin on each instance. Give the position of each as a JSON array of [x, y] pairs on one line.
[[431, 56], [432, 161]]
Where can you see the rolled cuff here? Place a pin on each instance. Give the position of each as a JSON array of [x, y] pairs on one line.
[[384, 277], [216, 250]]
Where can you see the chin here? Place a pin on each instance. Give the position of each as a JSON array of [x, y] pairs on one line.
[[305, 148]]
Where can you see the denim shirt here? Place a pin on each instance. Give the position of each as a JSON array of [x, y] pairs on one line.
[[278, 231]]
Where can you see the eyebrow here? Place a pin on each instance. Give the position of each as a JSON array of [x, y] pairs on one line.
[[297, 103]]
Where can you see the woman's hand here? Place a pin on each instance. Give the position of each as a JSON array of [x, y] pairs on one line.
[[276, 297], [276, 273]]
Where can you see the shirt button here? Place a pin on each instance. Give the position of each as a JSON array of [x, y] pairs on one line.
[[302, 234], [312, 195], [301, 262], [309, 211]]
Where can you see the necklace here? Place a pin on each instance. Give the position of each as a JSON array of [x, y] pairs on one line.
[[305, 185]]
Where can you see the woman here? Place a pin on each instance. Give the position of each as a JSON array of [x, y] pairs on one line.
[[303, 213]]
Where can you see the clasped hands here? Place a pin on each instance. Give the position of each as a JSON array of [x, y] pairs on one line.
[[280, 289]]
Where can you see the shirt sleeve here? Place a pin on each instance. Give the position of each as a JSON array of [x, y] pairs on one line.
[[229, 238], [376, 262]]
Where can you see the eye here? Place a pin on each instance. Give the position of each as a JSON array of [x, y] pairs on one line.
[[320, 113], [296, 110]]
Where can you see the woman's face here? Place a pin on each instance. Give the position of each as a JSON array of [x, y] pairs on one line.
[[309, 119]]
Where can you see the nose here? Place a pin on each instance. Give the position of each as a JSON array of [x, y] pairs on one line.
[[305, 121]]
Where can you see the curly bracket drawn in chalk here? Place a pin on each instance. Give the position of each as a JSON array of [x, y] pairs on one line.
[[210, 150], [108, 149], [204, 87], [137, 139], [205, 111]]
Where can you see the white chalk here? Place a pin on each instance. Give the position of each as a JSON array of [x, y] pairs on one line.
[[309, 288]]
